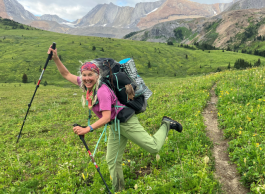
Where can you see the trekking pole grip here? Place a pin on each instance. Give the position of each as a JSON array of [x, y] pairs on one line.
[[53, 47]]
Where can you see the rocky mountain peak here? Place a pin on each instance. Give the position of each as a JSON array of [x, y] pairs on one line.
[[13, 10], [55, 18]]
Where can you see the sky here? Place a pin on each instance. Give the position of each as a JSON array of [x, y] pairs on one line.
[[71, 10]]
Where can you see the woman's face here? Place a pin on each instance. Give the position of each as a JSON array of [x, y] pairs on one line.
[[89, 78]]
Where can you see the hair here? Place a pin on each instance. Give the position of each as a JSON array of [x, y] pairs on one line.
[[82, 86]]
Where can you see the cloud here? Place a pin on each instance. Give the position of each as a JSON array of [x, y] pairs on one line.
[[72, 10]]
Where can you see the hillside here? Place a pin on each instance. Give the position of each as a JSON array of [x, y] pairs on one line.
[[49, 153], [235, 29], [180, 9], [24, 51]]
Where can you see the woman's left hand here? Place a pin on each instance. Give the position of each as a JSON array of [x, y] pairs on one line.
[[80, 130]]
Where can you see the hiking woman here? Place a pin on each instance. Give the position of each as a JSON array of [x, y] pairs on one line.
[[105, 111]]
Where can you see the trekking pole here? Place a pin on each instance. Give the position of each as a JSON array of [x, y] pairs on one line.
[[29, 105], [92, 158]]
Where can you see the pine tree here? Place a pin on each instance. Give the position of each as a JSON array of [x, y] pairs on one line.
[[149, 64], [229, 66], [93, 48], [24, 78]]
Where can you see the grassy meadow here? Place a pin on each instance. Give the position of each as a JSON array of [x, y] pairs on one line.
[[25, 51], [50, 158], [241, 115]]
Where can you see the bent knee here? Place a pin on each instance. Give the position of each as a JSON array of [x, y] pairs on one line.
[[154, 151]]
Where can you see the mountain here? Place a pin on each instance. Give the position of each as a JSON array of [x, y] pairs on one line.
[[246, 4], [180, 9], [234, 29], [11, 9], [109, 20], [54, 18], [110, 15]]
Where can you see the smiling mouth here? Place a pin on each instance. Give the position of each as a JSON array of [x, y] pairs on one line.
[[87, 82]]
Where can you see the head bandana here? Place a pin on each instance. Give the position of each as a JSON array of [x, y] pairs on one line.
[[90, 66]]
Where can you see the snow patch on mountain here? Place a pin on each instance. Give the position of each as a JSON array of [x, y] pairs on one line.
[[151, 11]]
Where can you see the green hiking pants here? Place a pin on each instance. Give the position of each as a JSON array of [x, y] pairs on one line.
[[135, 132]]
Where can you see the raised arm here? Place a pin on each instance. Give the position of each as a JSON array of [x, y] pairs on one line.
[[62, 69]]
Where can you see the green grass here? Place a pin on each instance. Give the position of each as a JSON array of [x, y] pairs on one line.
[[25, 51], [241, 115], [50, 158]]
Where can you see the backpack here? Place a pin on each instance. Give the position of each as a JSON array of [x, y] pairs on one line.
[[117, 75]]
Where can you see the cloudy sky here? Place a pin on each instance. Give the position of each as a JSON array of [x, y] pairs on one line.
[[76, 9]]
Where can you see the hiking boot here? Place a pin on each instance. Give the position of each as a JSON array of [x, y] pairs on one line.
[[173, 124]]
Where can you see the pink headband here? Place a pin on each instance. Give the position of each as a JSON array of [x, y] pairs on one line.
[[90, 66]]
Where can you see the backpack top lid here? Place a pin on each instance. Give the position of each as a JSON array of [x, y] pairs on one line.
[[105, 65]]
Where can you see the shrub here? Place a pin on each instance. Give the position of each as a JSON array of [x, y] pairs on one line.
[[257, 64], [45, 83], [241, 64], [218, 69]]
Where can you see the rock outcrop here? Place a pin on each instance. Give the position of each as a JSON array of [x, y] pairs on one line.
[[3, 12]]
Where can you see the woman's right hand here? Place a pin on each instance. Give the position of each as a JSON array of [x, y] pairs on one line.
[[54, 56]]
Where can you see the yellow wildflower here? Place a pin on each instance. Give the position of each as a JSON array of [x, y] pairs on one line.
[[123, 164], [248, 118], [240, 132], [257, 144], [129, 160], [260, 148], [83, 176]]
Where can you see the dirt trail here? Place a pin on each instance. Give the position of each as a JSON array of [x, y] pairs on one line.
[[225, 172]]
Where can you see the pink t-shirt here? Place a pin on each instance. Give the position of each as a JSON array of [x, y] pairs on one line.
[[106, 101]]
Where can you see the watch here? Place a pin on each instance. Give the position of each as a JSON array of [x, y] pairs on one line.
[[91, 129]]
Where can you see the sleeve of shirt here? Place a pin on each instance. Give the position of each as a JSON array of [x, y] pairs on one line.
[[78, 81], [104, 99]]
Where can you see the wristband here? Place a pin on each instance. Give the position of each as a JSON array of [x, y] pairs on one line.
[[91, 129]]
